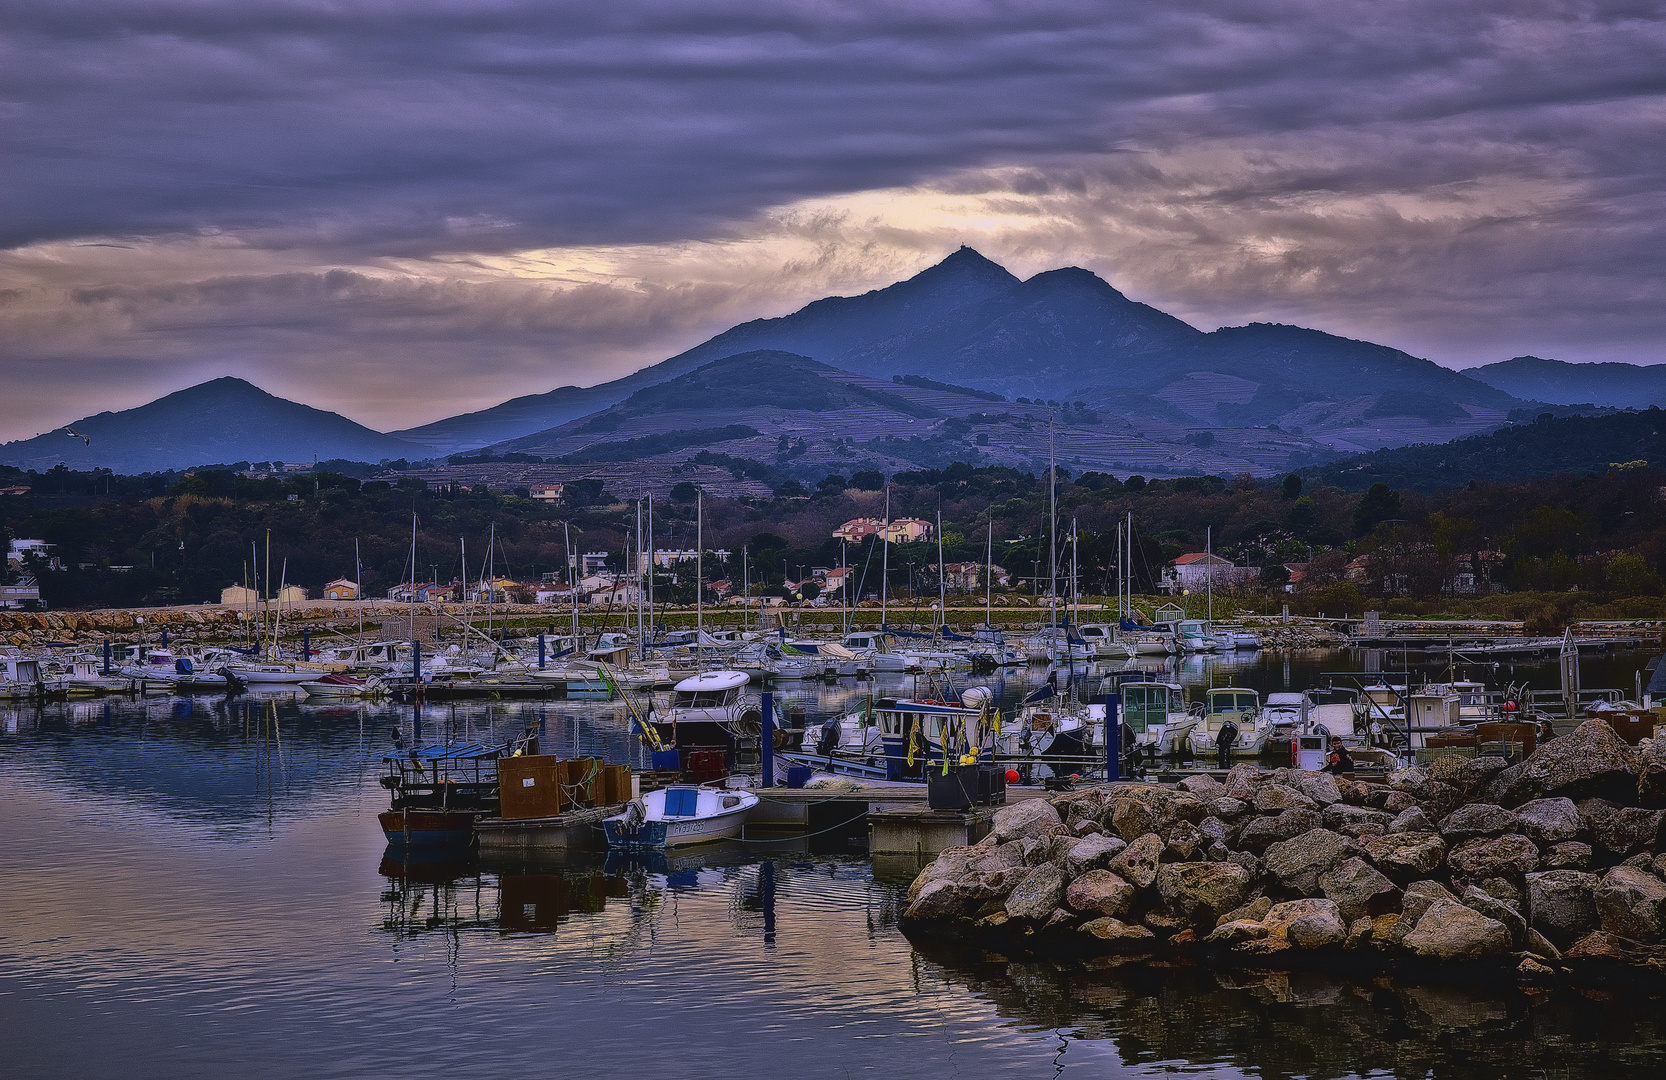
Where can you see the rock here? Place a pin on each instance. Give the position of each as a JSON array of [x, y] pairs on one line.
[[1364, 831], [1476, 772], [1339, 815], [951, 863], [1397, 802], [1242, 780], [1561, 904], [1254, 911], [1450, 931], [1109, 929], [1093, 853], [1407, 856], [1086, 827], [1038, 893], [1497, 910], [1629, 904], [1591, 761], [1294, 865], [1413, 819], [1659, 867], [1651, 784], [1511, 855], [1601, 945], [1163, 924], [1568, 855], [1385, 929], [1204, 787], [1320, 787], [1212, 829], [1266, 946], [1503, 889], [1185, 843], [1101, 892], [1247, 861], [1280, 916], [1416, 899], [1201, 892], [1533, 970], [1218, 852], [1627, 831], [1477, 820], [981, 886], [1263, 832], [1052, 848], [938, 901], [1414, 782], [1317, 930], [1229, 808], [1539, 945], [1359, 890], [1276, 798], [1549, 821], [1359, 932], [1132, 818], [1023, 820], [1061, 919], [1230, 933], [1137, 863], [1000, 857]]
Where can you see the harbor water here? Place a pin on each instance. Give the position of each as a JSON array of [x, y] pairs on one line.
[[197, 887]]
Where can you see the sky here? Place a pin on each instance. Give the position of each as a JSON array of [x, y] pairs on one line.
[[402, 211]]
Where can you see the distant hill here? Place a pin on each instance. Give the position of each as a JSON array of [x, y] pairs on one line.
[[807, 419], [1624, 386], [1576, 444], [1066, 335], [226, 419]]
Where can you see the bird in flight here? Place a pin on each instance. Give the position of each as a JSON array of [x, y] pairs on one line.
[[72, 433]]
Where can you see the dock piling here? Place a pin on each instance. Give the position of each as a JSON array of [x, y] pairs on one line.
[[766, 741], [1113, 738]]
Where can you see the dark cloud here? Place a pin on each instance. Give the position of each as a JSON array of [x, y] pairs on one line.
[[323, 186]]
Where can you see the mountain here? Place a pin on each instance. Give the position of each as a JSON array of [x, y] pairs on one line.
[[1623, 386], [1576, 444], [222, 420], [1067, 335], [805, 418], [825, 328]]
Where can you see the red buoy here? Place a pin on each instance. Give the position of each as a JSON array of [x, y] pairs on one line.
[[1012, 776]]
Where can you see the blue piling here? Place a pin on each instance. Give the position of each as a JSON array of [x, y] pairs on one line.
[[766, 742], [1113, 737], [306, 644], [540, 652]]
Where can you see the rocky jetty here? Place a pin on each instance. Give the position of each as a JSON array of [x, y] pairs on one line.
[[1548, 865]]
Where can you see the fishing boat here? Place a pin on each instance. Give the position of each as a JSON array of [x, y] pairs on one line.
[[274, 674], [1235, 706], [678, 817], [438, 791], [916, 734], [1156, 715]]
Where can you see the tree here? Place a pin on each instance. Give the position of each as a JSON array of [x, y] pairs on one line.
[[685, 492], [868, 480], [1630, 574], [1379, 504], [1292, 487]]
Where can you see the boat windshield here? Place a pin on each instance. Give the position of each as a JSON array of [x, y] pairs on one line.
[[1241, 701], [702, 699]]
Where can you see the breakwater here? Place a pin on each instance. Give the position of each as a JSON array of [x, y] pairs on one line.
[[1547, 866]]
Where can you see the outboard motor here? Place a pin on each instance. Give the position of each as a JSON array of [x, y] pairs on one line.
[[829, 740], [1223, 743]]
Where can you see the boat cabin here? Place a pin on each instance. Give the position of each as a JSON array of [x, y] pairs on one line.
[[1146, 705], [922, 730], [709, 690], [1232, 703], [869, 640]]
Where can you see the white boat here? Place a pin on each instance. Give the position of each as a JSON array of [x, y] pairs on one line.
[[337, 685], [1102, 637], [679, 816], [1156, 714], [1232, 705], [274, 674]]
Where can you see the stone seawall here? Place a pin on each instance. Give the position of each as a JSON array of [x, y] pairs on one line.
[[1546, 866]]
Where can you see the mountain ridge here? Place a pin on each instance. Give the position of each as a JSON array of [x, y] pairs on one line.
[[1558, 382]]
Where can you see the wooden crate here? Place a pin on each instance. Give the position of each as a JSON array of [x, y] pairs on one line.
[[584, 780], [530, 787], [616, 784]]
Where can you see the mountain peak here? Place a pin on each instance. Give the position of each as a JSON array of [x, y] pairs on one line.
[[967, 263]]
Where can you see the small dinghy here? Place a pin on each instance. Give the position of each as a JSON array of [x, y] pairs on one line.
[[679, 816], [338, 685]]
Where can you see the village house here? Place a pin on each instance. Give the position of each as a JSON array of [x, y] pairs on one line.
[[1197, 571], [902, 531], [546, 492], [340, 589], [425, 592], [969, 576], [238, 596]]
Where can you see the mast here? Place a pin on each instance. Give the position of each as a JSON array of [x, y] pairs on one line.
[[942, 589], [1209, 574], [699, 569], [411, 619], [1052, 533], [746, 590], [572, 581], [358, 589], [650, 557], [989, 574], [885, 560], [641, 638], [266, 603]]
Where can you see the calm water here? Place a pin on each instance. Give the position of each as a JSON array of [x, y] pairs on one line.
[[198, 888]]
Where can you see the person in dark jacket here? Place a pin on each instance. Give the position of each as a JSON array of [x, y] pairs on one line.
[[1339, 761]]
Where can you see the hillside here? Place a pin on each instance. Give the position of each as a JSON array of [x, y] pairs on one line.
[[1623, 386], [226, 419], [807, 419], [1065, 335], [1573, 444]]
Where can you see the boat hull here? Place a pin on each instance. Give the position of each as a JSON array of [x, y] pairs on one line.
[[428, 828], [673, 833]]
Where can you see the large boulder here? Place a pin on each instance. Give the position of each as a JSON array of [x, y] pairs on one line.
[[1412, 819], [1025, 819], [1203, 786], [999, 857], [1036, 895], [1277, 798], [1629, 904], [1243, 779], [1339, 816], [939, 901], [1549, 821], [1561, 905], [1359, 890], [1317, 930], [1322, 788], [1228, 809], [1590, 761], [951, 863], [1294, 866], [1511, 855], [1627, 831], [1101, 892], [1476, 820], [1501, 910], [1450, 931], [1116, 931], [1184, 842], [1201, 892], [1137, 862], [1263, 832], [1280, 916], [1093, 852], [1407, 856]]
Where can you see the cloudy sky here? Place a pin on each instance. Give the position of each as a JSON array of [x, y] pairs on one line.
[[405, 210]]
